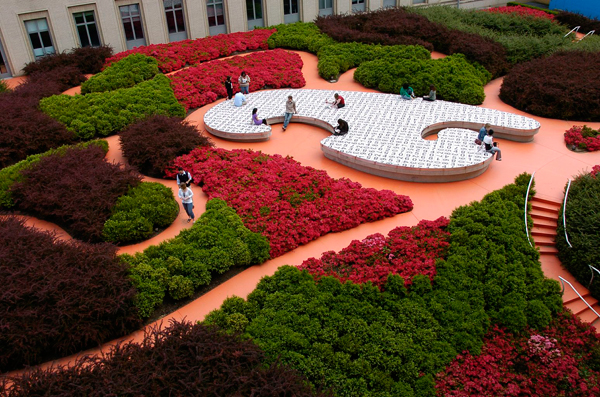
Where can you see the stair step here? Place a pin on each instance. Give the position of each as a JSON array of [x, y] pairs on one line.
[[548, 250], [543, 232], [545, 223], [546, 201], [578, 306], [574, 298], [544, 207], [544, 243], [588, 316], [548, 216]]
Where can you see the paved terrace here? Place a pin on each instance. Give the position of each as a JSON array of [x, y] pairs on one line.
[[386, 132]]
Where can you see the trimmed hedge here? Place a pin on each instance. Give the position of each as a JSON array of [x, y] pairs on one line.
[[12, 173], [455, 78], [126, 73], [179, 360], [302, 36], [565, 85], [88, 60], [152, 144], [105, 113], [75, 189], [582, 227], [217, 241], [58, 297], [138, 213]]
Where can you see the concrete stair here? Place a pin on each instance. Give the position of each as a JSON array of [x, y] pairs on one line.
[[544, 213]]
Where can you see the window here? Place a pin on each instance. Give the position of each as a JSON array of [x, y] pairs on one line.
[[132, 22], [290, 7], [254, 9], [355, 2], [85, 23], [215, 13], [174, 13], [419, 1], [39, 35], [358, 5], [324, 4]]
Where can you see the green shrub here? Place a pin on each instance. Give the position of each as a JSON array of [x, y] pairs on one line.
[[303, 36], [105, 113], [217, 241], [3, 87], [335, 59], [126, 73], [455, 78], [12, 173], [145, 207]]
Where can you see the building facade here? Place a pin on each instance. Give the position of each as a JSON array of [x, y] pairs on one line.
[[35, 28]]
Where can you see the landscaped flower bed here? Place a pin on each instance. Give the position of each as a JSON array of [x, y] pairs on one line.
[[561, 360], [565, 85], [406, 251], [521, 11], [125, 73], [288, 203], [582, 138], [174, 56], [203, 84], [58, 297]]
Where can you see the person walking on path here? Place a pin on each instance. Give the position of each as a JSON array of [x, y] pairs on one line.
[[184, 177], [290, 109], [406, 92], [229, 87], [491, 146], [244, 81], [256, 120], [482, 133], [186, 194]]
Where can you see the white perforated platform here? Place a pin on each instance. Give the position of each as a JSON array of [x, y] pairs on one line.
[[386, 132]]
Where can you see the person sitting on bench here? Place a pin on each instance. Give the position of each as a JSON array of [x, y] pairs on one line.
[[342, 128]]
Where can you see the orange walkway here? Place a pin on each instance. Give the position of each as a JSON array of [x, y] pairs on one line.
[[547, 155]]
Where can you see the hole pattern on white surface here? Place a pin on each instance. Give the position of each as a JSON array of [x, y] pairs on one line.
[[383, 127]]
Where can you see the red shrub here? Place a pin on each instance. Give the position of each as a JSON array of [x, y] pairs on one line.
[[572, 19], [583, 137], [203, 84], [562, 360], [520, 11], [174, 56], [181, 360], [406, 251], [397, 26], [58, 297], [152, 144], [88, 60], [76, 190], [284, 201], [565, 85]]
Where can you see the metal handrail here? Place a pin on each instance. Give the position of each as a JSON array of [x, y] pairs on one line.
[[563, 281], [564, 212], [575, 29], [526, 198], [592, 268], [586, 35]]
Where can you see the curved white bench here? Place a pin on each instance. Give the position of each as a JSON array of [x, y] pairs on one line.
[[386, 132]]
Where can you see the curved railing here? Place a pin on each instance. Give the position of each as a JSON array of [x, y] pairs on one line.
[[592, 269], [563, 281], [526, 200], [575, 29], [564, 212]]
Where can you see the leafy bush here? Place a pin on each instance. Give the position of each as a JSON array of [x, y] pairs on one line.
[[302, 36], [582, 224], [217, 241], [76, 189], [565, 85], [181, 359], [105, 113], [338, 58], [174, 56], [152, 144], [454, 77], [145, 207], [3, 87], [125, 73], [572, 19], [286, 202], [203, 84], [583, 138], [400, 26], [58, 297], [12, 173], [88, 60]]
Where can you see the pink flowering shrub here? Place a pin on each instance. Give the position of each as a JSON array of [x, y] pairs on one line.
[[595, 170], [407, 251], [561, 360], [286, 202], [174, 56], [583, 138], [520, 11], [203, 84]]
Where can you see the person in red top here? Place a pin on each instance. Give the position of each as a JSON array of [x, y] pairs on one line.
[[338, 101]]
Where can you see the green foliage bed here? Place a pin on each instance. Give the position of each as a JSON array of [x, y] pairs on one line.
[[126, 73]]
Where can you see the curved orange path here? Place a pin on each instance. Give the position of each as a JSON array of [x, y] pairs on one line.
[[546, 155]]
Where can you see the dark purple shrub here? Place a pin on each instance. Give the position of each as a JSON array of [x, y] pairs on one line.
[[58, 297], [565, 85], [76, 190], [88, 60], [180, 360], [572, 19], [152, 144], [397, 26]]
